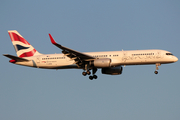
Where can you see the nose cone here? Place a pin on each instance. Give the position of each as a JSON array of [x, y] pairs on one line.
[[175, 59]]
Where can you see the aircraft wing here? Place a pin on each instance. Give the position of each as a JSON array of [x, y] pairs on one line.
[[15, 58], [75, 55]]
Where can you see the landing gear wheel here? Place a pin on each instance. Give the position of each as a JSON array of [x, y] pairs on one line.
[[156, 72], [95, 76], [84, 73], [91, 77], [88, 72]]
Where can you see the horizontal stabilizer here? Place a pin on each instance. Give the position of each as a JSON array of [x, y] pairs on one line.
[[15, 58]]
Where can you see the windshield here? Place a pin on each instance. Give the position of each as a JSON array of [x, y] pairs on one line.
[[169, 54]]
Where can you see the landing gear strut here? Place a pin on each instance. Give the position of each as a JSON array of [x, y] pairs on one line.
[[94, 70], [157, 68], [87, 72]]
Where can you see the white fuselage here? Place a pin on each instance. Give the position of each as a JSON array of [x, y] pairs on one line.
[[133, 57], [110, 62]]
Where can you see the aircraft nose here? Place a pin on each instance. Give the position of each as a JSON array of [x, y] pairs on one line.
[[176, 59]]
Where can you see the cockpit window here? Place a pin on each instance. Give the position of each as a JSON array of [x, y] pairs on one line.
[[169, 54]]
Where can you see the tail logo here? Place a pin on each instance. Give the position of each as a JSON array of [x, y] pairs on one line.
[[22, 47], [19, 47]]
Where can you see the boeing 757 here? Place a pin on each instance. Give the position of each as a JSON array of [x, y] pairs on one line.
[[110, 62]]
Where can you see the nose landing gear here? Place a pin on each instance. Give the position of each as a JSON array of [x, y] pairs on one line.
[[157, 68]]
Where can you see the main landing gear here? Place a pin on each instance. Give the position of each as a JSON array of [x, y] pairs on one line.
[[157, 68], [87, 72], [93, 77]]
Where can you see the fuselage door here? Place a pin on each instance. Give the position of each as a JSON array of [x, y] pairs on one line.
[[159, 55], [124, 58], [38, 60]]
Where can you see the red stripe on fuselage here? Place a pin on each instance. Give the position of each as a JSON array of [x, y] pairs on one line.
[[15, 37], [28, 54]]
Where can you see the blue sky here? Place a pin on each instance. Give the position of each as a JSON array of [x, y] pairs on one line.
[[96, 25]]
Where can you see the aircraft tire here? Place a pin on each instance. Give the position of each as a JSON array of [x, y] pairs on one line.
[[95, 76], [88, 72], [91, 77], [84, 73], [156, 72]]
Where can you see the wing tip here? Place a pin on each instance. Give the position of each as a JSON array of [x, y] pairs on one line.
[[52, 39]]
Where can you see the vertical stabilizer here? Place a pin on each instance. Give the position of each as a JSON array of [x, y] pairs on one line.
[[22, 47]]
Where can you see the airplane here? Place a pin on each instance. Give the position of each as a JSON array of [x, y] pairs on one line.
[[110, 62]]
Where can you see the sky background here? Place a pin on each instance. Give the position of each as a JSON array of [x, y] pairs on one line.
[[89, 26]]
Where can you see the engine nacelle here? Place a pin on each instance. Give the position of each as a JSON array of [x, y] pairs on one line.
[[112, 71], [101, 63]]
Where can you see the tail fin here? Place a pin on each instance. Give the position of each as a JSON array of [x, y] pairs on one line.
[[22, 47]]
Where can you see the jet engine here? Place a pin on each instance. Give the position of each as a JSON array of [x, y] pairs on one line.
[[101, 63], [112, 71]]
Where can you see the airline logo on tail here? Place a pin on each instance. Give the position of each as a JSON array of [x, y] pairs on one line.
[[22, 47]]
